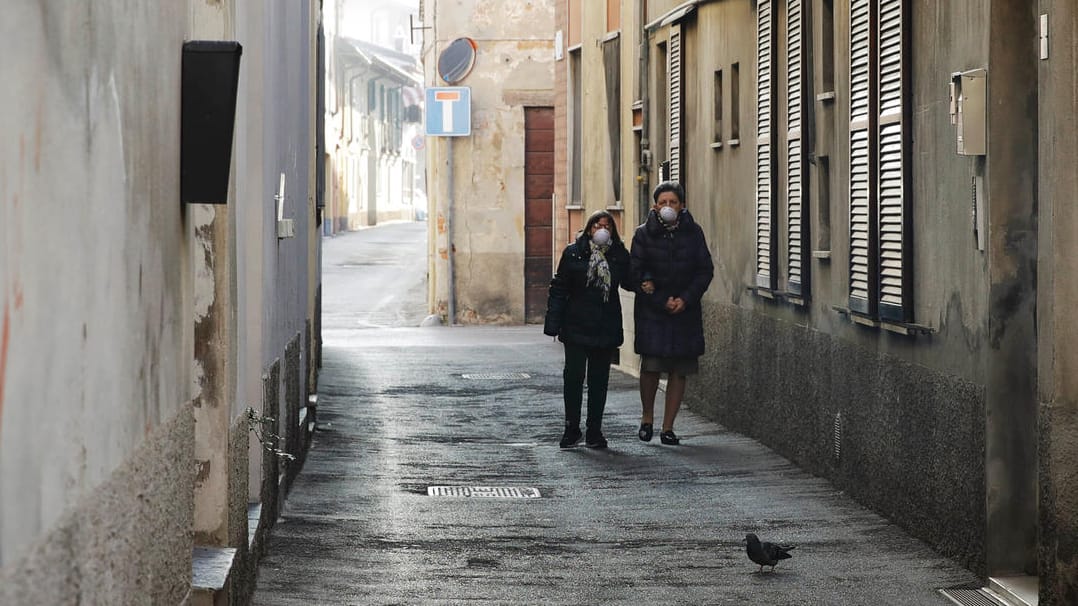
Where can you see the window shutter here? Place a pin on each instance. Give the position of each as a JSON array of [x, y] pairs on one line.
[[796, 190], [766, 237], [894, 237], [862, 297], [674, 73]]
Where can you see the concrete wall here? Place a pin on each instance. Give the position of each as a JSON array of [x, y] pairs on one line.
[[514, 68], [1056, 331]]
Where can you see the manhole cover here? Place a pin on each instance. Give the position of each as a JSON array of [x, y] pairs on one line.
[[501, 492], [488, 376]]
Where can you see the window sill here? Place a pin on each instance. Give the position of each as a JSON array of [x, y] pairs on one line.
[[716, 145], [901, 328], [574, 207], [826, 97], [733, 142]]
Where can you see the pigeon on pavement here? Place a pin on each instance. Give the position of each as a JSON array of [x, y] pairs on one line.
[[765, 554]]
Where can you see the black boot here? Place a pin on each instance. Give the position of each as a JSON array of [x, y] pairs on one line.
[[570, 437]]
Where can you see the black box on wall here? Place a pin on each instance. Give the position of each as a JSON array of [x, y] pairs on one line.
[[209, 79]]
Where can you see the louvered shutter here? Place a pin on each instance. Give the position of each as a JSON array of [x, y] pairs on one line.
[[895, 299], [796, 190], [766, 237], [862, 297], [674, 73]]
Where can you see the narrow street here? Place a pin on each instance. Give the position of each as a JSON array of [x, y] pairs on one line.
[[404, 408]]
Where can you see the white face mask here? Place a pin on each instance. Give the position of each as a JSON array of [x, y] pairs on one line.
[[668, 214], [601, 237]]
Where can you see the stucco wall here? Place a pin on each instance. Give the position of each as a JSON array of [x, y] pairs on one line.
[[513, 68], [95, 344]]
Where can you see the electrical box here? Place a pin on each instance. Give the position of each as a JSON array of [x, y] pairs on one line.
[[969, 113]]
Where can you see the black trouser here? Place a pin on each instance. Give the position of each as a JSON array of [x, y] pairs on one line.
[[593, 363]]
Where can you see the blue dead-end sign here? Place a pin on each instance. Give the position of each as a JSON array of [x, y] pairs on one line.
[[449, 111]]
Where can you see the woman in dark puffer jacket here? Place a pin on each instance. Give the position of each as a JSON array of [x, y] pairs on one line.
[[670, 270], [584, 312]]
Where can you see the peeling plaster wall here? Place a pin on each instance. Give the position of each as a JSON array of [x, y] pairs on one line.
[[513, 68], [96, 344]]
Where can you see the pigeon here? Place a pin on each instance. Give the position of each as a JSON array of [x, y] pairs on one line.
[[765, 554]]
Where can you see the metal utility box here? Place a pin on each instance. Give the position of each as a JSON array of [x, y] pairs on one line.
[[209, 80], [969, 102]]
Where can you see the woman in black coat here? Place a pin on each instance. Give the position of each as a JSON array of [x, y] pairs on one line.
[[584, 312], [670, 270]]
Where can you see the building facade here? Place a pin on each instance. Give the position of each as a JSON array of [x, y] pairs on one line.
[[881, 184], [490, 192], [154, 344], [373, 131]]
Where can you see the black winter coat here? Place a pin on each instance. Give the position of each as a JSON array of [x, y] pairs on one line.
[[576, 312], [679, 263]]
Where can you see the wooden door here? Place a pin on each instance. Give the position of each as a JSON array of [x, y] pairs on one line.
[[538, 209]]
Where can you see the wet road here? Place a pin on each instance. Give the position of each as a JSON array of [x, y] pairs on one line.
[[404, 408]]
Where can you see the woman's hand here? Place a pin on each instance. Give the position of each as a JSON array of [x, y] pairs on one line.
[[647, 286], [675, 305]]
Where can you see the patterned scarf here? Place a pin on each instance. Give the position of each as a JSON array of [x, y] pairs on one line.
[[599, 269]]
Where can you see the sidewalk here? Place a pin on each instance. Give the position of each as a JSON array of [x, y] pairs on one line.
[[404, 409]]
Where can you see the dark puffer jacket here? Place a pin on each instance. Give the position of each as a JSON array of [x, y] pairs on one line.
[[679, 263], [576, 312]]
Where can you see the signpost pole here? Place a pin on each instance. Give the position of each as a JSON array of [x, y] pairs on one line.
[[452, 312]]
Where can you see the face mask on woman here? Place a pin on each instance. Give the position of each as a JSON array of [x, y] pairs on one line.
[[601, 237], [667, 214]]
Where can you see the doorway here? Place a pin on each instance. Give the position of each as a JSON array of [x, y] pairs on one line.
[[538, 210]]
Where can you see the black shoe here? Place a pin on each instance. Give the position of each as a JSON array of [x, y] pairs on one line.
[[570, 437], [645, 432], [668, 437], [595, 440]]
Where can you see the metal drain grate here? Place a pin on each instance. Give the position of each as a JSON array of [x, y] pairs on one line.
[[498, 492], [491, 376], [971, 597]]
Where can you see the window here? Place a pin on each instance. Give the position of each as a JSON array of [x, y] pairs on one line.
[[674, 75], [574, 23], [766, 226], [717, 122], [613, 15], [894, 149], [862, 289], [797, 225], [880, 258], [827, 46], [735, 104], [611, 65], [576, 117]]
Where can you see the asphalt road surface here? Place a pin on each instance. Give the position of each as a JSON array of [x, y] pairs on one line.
[[403, 409]]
